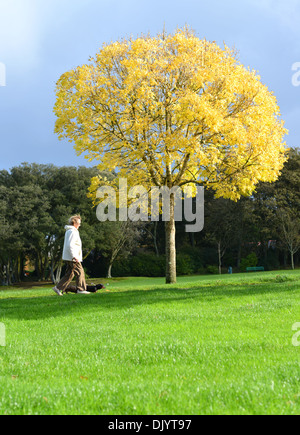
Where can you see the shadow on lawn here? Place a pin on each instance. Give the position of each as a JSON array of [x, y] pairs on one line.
[[43, 307]]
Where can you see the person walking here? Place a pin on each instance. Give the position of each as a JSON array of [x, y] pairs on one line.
[[72, 255]]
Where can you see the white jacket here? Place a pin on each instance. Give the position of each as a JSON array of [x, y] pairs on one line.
[[73, 244]]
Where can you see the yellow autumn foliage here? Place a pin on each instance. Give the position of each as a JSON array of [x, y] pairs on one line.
[[173, 110]]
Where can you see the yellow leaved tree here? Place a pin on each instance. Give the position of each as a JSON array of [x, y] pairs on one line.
[[173, 110]]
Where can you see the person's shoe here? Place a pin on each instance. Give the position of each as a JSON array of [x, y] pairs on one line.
[[81, 292], [58, 292]]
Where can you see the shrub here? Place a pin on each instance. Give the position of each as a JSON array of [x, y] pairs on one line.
[[212, 270], [250, 261], [122, 268], [184, 265], [196, 258], [151, 266], [148, 265]]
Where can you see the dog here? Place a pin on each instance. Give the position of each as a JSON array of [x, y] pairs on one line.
[[93, 288]]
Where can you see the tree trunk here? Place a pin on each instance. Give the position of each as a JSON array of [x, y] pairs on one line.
[[192, 239], [109, 276], [292, 260], [19, 269], [38, 266], [8, 273], [171, 275], [155, 239], [220, 258], [58, 273], [55, 272]]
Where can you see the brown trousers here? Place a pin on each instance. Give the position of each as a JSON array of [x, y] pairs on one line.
[[73, 269]]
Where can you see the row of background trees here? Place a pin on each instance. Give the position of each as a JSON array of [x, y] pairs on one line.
[[37, 200]]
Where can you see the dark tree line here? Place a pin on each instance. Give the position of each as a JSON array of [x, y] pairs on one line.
[[35, 204], [37, 200], [265, 227]]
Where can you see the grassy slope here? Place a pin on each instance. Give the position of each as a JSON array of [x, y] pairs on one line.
[[208, 345]]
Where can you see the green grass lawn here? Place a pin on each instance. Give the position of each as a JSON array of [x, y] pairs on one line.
[[207, 345]]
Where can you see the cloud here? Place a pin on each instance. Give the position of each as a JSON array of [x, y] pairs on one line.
[[19, 32]]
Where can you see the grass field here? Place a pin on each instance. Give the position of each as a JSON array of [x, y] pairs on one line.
[[208, 345]]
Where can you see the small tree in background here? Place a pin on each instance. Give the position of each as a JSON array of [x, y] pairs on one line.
[[289, 230]]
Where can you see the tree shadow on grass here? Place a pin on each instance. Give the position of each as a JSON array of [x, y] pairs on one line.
[[43, 307]]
